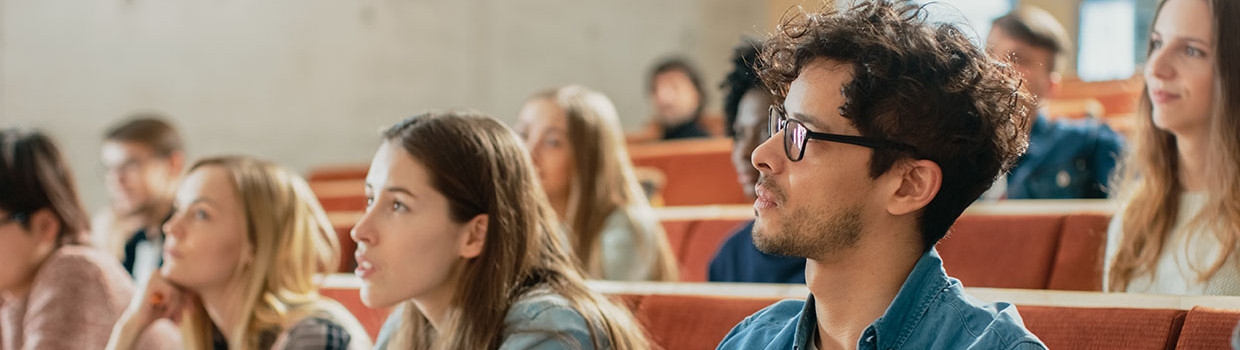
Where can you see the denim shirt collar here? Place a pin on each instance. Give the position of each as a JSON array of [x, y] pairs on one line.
[[923, 286]]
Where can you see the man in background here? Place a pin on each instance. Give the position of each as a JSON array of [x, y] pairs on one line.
[[1066, 158], [678, 98], [143, 158], [746, 107]]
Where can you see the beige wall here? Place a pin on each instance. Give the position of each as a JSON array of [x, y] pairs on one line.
[[1065, 11], [309, 82], [776, 9]]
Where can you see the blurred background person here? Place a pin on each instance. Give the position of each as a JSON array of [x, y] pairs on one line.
[[1180, 223], [244, 247], [1066, 158], [56, 290], [745, 108], [143, 158], [675, 90], [574, 138]]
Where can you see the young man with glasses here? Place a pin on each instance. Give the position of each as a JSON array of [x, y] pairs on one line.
[[886, 128], [143, 159]]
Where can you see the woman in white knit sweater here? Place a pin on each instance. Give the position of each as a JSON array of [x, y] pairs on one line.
[[1178, 230]]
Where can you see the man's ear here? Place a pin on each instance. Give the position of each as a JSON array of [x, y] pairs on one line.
[[919, 183], [474, 236]]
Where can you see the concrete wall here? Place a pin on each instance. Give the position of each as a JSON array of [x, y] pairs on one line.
[[308, 82]]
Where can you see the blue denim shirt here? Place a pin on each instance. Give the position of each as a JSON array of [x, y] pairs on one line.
[[931, 311], [1065, 160]]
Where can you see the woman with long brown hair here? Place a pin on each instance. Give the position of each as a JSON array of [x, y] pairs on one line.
[[245, 246], [458, 234], [1180, 224], [574, 137]]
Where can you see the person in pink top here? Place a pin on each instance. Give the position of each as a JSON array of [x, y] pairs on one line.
[[56, 290]]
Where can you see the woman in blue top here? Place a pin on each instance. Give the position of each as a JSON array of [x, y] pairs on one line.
[[458, 233]]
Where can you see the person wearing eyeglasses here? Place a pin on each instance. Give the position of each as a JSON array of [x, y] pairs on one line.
[[745, 109], [143, 158], [56, 290], [886, 127]]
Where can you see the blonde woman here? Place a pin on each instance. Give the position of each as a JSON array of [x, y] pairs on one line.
[[575, 140], [458, 234], [1179, 228], [243, 248]]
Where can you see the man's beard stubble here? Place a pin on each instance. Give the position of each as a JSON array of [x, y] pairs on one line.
[[815, 232]]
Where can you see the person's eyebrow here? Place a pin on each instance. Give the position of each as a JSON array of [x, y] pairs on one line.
[[551, 129], [1191, 39], [203, 200], [1201, 42], [811, 121], [398, 189]]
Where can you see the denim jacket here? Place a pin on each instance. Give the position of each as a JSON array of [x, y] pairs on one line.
[[931, 311], [1065, 160]]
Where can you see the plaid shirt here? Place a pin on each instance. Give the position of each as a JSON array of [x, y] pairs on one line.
[[310, 333]]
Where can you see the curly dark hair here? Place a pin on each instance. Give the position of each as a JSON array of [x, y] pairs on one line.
[[919, 83], [742, 78]]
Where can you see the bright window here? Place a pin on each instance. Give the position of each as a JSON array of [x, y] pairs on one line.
[[1108, 40]]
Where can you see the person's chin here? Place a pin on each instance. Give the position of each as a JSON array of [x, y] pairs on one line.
[[367, 294], [374, 296], [166, 269], [1167, 119], [764, 243], [762, 229], [173, 274]]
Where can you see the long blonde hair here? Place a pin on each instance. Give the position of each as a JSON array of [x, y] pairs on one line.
[[291, 241], [1150, 183], [604, 182], [482, 168]]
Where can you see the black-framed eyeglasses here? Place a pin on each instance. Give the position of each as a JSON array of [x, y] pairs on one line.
[[798, 135], [15, 217]]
